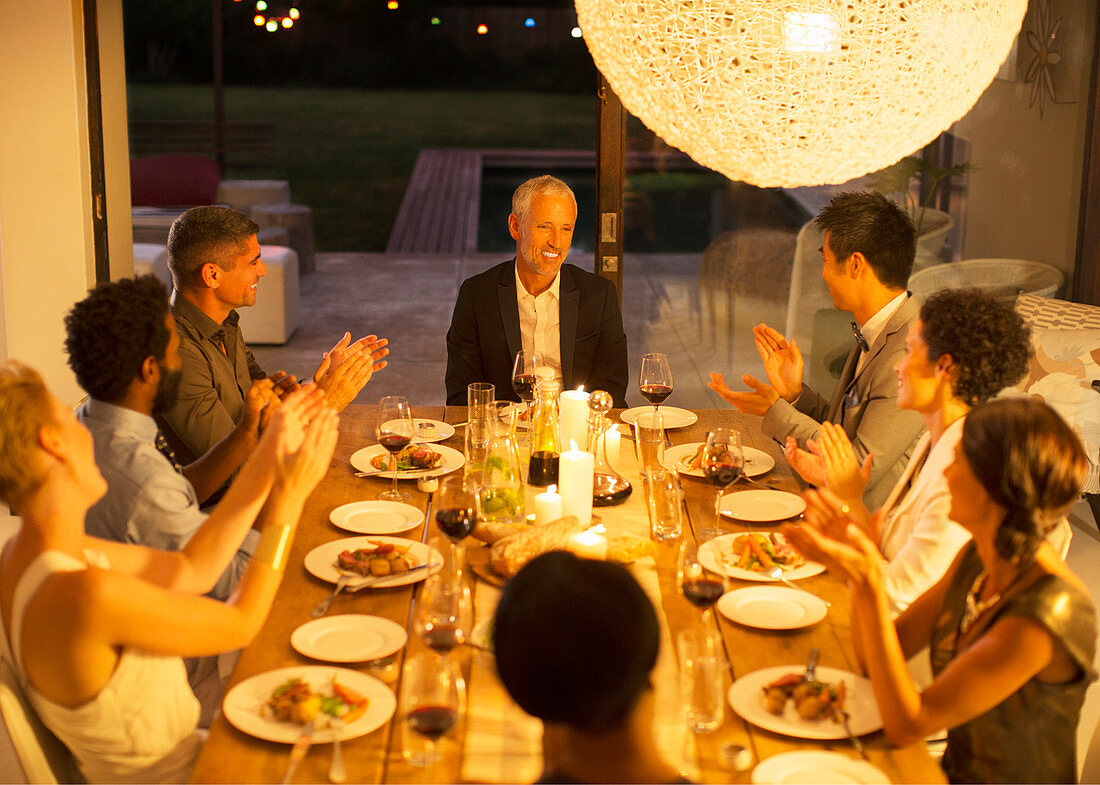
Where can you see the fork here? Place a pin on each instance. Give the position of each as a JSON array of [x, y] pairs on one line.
[[322, 606], [337, 772]]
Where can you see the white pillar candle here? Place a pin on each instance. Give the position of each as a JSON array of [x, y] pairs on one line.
[[589, 545], [548, 506], [612, 443], [575, 472], [573, 417]]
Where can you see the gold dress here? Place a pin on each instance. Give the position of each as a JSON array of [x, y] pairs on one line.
[[1031, 735]]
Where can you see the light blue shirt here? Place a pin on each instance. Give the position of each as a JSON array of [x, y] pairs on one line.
[[147, 502]]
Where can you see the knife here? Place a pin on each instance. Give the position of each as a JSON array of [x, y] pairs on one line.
[[299, 750], [380, 578], [851, 736]]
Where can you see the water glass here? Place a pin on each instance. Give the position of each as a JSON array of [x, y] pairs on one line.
[[649, 442], [702, 680], [479, 395], [664, 499]]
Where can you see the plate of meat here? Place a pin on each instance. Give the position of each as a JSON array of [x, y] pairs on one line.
[[378, 562]]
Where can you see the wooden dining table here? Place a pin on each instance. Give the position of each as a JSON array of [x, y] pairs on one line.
[[493, 740]]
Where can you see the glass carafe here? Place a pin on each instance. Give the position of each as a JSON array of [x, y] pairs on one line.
[[545, 438], [608, 486], [501, 484]]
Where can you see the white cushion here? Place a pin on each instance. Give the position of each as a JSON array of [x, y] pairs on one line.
[[274, 317]]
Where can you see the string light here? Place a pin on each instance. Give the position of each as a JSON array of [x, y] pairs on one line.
[[482, 29], [392, 5], [275, 22], [528, 22], [435, 20]]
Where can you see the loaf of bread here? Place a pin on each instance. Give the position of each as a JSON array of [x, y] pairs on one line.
[[490, 532], [511, 553], [625, 548]]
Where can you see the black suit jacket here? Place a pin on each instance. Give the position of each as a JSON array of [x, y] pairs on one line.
[[484, 336]]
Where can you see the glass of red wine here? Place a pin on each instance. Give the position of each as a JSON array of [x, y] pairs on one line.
[[432, 689], [523, 376], [700, 586], [445, 612], [394, 432], [723, 463], [655, 378], [457, 505]]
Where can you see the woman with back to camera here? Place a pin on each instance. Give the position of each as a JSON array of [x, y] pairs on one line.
[[1012, 632], [97, 629], [964, 348]]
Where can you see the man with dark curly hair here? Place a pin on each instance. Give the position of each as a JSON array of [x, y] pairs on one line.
[[123, 347], [867, 255], [216, 267], [965, 348]]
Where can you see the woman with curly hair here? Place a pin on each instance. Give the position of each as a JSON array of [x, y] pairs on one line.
[[964, 348], [1012, 632]]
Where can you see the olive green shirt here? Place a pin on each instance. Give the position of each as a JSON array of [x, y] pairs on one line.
[[214, 381]]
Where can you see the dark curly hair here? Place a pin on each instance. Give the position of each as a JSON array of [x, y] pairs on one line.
[[871, 224], [111, 331], [986, 338], [1030, 462], [209, 233], [575, 641]]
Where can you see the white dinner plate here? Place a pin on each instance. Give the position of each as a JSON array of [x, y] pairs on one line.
[[452, 459], [746, 697], [757, 462], [717, 556], [441, 431], [761, 506], [818, 766], [772, 607], [321, 561], [376, 517], [671, 416], [242, 705], [348, 637]]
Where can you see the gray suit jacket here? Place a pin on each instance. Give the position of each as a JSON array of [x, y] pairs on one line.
[[865, 405]]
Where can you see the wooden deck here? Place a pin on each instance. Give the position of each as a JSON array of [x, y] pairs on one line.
[[440, 208]]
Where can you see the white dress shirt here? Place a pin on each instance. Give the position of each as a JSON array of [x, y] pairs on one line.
[[874, 326], [540, 320]]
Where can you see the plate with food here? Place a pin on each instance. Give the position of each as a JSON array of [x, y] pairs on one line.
[[348, 637], [754, 555], [280, 704], [761, 506], [772, 607], [671, 416], [780, 699], [378, 562], [376, 516], [414, 461], [816, 766], [688, 459], [425, 430]]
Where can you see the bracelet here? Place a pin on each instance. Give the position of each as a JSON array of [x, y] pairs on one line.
[[274, 547]]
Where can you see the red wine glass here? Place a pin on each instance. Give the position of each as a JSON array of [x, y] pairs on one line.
[[523, 376], [723, 463], [655, 378], [457, 506], [700, 586], [445, 612], [394, 432], [432, 698]]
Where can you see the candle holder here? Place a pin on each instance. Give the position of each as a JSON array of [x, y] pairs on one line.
[[608, 486]]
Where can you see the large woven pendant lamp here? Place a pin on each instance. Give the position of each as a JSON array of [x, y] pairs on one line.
[[799, 92]]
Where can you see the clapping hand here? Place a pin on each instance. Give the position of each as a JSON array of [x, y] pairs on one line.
[[755, 401], [349, 366], [805, 463], [304, 429], [782, 361], [844, 475], [829, 535], [263, 399]]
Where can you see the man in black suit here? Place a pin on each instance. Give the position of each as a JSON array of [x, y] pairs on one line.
[[536, 302]]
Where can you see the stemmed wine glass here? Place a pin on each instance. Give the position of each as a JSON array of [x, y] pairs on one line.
[[432, 689], [445, 612], [395, 431], [457, 506], [655, 378], [700, 586], [523, 376], [723, 463]]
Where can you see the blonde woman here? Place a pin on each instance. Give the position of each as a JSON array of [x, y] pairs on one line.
[[96, 629]]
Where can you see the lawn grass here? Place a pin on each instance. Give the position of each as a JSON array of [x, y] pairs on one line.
[[348, 154]]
